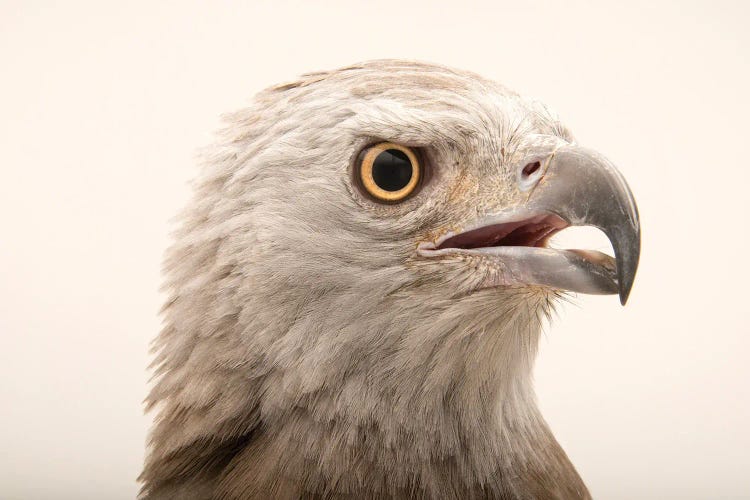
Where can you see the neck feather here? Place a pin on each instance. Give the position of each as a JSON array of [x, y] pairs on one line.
[[439, 400]]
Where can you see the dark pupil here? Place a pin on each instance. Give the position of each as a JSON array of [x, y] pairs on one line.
[[391, 170]]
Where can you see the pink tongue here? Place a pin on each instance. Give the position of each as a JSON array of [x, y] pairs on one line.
[[529, 233], [486, 236]]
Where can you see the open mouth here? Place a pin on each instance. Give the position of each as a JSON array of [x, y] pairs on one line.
[[517, 254], [510, 247], [532, 232]]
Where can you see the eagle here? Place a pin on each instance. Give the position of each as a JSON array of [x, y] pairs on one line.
[[357, 287]]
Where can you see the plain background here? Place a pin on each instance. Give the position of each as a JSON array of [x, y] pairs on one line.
[[103, 106]]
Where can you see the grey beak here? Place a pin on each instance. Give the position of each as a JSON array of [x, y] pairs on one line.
[[585, 189]]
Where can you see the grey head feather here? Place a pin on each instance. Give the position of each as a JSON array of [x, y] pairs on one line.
[[306, 353]]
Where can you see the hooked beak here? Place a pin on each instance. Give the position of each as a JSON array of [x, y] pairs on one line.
[[585, 189], [574, 187]]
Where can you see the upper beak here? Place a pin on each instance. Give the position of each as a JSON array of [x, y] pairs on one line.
[[585, 189]]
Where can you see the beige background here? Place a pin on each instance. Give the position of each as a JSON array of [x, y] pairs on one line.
[[102, 108]]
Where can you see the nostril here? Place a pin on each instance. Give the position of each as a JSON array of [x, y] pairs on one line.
[[532, 167]]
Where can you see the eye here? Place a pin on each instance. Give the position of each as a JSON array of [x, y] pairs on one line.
[[389, 172]]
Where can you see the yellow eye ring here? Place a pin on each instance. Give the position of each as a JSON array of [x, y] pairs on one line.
[[389, 172]]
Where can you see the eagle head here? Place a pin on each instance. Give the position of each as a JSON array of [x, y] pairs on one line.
[[357, 287]]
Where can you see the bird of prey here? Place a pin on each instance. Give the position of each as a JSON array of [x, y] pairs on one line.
[[357, 288]]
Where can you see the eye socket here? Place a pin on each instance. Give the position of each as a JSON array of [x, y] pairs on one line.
[[389, 172]]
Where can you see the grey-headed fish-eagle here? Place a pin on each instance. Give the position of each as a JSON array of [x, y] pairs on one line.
[[357, 288]]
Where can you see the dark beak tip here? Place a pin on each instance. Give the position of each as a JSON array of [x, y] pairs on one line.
[[626, 281], [628, 253]]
